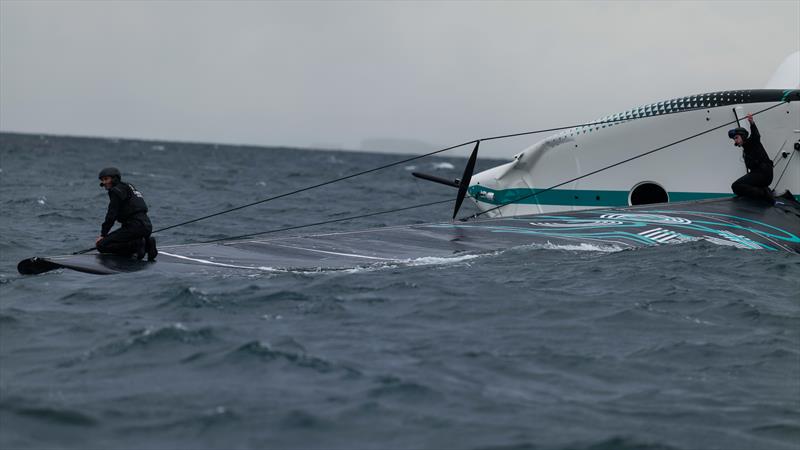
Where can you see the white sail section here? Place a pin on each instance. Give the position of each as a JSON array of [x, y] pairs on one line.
[[787, 76]]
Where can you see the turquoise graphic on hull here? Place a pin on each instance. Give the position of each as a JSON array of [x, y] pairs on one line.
[[575, 197], [645, 228], [784, 236]]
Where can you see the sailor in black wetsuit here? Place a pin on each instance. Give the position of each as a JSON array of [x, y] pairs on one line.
[[755, 184], [126, 206]]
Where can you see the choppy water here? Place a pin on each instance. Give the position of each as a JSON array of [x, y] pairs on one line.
[[690, 346]]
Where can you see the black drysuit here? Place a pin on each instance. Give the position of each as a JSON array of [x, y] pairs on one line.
[[759, 167], [126, 206]]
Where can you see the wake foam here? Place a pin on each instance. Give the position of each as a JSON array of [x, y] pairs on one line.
[[583, 247]]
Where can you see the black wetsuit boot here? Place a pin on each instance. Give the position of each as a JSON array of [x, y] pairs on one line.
[[152, 252]]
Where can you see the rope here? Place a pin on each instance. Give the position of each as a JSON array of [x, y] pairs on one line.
[[385, 166], [777, 158], [308, 188], [476, 215], [785, 167]]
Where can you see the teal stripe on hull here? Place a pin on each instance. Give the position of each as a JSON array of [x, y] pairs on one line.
[[570, 197]]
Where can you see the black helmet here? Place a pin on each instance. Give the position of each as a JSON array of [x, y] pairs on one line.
[[740, 131], [112, 172]]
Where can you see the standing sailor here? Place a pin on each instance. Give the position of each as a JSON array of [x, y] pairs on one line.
[[126, 206], [755, 183]]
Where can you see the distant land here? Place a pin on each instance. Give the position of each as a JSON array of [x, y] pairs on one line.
[[375, 145]]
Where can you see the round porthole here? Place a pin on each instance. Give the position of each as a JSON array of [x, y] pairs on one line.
[[647, 192]]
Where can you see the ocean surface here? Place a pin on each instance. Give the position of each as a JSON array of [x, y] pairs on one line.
[[690, 346]]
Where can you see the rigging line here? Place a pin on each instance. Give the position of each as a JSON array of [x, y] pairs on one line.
[[785, 167], [476, 215], [343, 219], [308, 188], [777, 158]]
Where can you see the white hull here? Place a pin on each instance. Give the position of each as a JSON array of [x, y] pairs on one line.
[[702, 167]]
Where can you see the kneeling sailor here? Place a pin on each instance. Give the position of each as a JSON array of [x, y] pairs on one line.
[[755, 183], [126, 206]]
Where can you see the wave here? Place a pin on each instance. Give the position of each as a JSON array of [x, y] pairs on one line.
[[392, 386], [176, 332], [49, 414], [415, 262], [302, 419], [201, 421], [149, 340], [765, 314], [622, 443], [84, 295], [455, 260], [687, 353], [787, 430], [197, 297], [584, 247], [261, 352], [62, 216], [7, 320], [613, 443]]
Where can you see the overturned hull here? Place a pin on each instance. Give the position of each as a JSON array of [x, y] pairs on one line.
[[674, 150], [736, 222]]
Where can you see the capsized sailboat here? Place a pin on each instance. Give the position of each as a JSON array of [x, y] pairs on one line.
[[735, 222], [654, 175], [702, 166]]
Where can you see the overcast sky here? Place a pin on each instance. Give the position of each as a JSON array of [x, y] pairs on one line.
[[337, 74]]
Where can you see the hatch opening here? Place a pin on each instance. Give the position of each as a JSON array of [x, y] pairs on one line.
[[647, 192]]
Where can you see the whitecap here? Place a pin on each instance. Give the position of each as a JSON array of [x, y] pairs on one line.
[[443, 166], [438, 260], [584, 247]]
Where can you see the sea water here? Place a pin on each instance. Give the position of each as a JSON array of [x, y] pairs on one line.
[[690, 346]]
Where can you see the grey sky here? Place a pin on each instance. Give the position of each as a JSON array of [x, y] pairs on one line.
[[339, 73]]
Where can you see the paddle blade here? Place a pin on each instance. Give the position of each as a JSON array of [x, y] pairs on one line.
[[463, 185]]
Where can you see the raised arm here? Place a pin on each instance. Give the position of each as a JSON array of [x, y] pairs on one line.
[[754, 134]]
